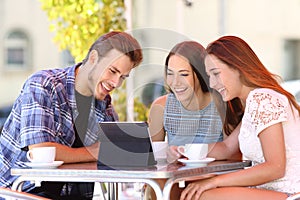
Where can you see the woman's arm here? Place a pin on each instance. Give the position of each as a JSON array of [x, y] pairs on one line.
[[273, 147], [228, 148], [156, 119], [272, 141]]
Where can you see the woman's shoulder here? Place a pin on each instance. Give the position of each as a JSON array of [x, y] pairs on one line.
[[160, 100]]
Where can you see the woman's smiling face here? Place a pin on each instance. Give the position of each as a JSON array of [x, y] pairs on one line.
[[181, 78], [223, 78]]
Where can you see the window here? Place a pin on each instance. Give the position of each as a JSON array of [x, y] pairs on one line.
[[17, 51]]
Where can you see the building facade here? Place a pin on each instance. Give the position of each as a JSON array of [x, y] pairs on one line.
[[270, 27]]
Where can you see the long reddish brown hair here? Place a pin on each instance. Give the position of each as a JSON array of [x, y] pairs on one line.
[[238, 55]]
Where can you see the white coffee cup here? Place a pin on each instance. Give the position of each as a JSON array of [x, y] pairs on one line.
[[194, 151], [41, 154], [160, 150]]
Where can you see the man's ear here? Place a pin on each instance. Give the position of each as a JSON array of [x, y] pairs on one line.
[[93, 57]]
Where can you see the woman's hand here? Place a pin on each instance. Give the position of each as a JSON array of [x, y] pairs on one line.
[[195, 189], [172, 154]]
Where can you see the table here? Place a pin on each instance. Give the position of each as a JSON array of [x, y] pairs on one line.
[[89, 172]]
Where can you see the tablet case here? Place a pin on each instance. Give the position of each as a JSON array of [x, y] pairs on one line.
[[125, 144]]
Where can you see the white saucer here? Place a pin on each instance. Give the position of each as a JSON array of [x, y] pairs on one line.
[[44, 165], [202, 162]]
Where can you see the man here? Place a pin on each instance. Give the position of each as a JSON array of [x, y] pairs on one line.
[[62, 108]]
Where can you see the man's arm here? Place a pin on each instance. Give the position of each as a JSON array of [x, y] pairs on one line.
[[72, 155]]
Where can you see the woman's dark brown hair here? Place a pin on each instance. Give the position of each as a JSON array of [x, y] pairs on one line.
[[195, 54]]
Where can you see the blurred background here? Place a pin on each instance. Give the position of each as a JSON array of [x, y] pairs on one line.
[[41, 34]]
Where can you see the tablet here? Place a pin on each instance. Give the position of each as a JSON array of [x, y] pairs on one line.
[[125, 144]]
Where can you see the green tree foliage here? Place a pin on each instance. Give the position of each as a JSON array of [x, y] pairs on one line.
[[78, 23]]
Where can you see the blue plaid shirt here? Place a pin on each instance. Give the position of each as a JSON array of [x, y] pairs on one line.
[[45, 111]]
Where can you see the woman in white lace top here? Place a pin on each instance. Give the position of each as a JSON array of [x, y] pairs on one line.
[[269, 133]]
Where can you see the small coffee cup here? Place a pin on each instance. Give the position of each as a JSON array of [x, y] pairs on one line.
[[194, 151], [160, 150], [41, 154]]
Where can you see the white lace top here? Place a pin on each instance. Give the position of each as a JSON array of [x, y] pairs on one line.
[[265, 107]]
